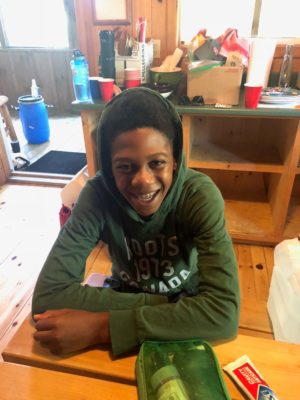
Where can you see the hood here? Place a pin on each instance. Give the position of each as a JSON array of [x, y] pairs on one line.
[[130, 110]]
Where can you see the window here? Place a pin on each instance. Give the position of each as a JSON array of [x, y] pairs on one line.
[[34, 23], [280, 19], [264, 18]]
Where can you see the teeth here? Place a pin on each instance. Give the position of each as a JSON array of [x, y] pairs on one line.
[[147, 197]]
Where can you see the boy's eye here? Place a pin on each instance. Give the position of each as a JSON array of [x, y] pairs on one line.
[[157, 163], [123, 167]]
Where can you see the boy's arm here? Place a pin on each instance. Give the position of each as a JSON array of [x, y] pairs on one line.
[[65, 330], [212, 315]]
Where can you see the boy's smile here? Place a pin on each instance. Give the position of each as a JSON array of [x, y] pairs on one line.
[[143, 166]]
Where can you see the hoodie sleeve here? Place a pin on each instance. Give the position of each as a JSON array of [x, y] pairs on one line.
[[59, 283], [213, 314]]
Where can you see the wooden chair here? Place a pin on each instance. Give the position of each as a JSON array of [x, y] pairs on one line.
[[10, 130]]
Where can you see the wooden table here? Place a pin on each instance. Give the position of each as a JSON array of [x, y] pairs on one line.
[[278, 363], [20, 382], [97, 363]]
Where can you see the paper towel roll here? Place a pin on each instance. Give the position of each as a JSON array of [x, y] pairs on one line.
[[260, 61]]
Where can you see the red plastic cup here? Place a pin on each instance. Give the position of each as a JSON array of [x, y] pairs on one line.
[[252, 95], [106, 88], [129, 83], [132, 73]]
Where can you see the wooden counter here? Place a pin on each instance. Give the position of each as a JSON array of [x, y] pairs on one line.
[[277, 362], [252, 156]]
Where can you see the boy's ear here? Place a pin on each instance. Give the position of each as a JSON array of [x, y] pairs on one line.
[[174, 164]]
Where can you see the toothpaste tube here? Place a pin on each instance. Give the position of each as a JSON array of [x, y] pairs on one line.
[[247, 377]]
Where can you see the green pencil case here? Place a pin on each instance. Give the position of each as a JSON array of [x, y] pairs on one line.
[[179, 370]]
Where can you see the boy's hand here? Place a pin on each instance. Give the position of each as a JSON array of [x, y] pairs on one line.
[[66, 330]]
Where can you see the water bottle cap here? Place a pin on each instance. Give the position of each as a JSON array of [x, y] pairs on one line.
[[77, 53]]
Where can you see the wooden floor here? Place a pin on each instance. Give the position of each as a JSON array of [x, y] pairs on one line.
[[29, 223]]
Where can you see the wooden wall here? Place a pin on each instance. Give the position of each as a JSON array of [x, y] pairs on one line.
[[161, 16], [50, 69]]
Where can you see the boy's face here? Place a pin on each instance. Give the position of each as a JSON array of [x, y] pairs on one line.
[[143, 166]]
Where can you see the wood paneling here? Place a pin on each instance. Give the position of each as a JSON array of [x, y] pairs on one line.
[[50, 68]]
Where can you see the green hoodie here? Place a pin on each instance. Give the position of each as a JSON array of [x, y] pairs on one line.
[[174, 274]]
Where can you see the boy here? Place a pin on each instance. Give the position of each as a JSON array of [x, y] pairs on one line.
[[174, 272]]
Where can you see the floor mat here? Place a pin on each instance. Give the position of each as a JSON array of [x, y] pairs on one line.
[[59, 162]]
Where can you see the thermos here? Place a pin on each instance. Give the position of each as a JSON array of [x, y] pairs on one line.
[[80, 71], [107, 54]]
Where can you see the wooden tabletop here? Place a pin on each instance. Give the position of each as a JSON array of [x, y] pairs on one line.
[[278, 363], [20, 382], [96, 362]]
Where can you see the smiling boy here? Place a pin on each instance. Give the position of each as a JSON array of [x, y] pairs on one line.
[[174, 272]]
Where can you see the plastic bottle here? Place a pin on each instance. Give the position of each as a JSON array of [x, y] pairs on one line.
[[80, 71], [34, 89], [166, 382], [286, 68]]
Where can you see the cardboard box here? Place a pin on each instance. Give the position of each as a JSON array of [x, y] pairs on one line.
[[216, 85], [142, 58]]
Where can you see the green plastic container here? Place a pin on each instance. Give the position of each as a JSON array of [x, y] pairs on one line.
[[179, 370]]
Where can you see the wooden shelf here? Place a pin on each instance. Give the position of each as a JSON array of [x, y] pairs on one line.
[[246, 158], [250, 221], [253, 161], [248, 211]]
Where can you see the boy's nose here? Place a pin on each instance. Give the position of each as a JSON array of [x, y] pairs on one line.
[[142, 176]]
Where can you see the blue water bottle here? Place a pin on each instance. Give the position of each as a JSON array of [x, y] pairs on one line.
[[80, 71]]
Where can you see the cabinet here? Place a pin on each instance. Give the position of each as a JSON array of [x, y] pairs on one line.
[[252, 156]]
